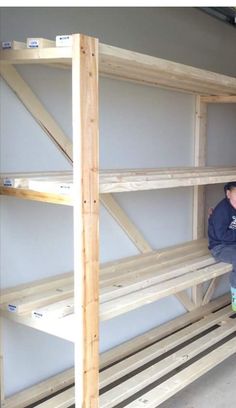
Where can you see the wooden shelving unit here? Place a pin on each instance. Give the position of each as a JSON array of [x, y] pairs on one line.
[[58, 305]]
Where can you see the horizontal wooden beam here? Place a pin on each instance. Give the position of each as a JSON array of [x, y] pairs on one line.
[[36, 56], [40, 391], [219, 99], [33, 195], [124, 64], [66, 399], [128, 65], [31, 288], [122, 180], [25, 304]]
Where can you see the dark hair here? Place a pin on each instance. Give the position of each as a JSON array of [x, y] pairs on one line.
[[229, 186]]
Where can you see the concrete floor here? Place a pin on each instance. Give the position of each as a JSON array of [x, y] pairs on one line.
[[216, 389]]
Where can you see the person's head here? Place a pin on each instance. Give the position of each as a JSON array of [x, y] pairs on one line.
[[230, 192]]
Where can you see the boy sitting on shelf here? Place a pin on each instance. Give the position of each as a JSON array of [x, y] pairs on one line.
[[222, 233]]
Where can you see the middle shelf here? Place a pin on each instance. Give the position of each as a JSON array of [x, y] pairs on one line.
[[57, 187], [125, 285]]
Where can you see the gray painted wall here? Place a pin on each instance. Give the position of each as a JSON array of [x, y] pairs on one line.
[[139, 127]]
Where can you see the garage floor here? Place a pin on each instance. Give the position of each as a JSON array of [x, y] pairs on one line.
[[216, 389]]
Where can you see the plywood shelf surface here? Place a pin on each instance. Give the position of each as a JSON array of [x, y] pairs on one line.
[[57, 187]]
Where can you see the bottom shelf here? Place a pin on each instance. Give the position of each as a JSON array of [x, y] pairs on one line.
[[149, 369]]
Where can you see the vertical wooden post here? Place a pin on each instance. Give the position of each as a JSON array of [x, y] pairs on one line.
[[200, 140], [86, 218]]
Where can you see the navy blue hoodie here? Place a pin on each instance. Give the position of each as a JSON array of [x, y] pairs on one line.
[[222, 225]]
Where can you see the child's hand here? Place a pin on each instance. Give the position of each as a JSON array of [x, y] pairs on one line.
[[210, 211]]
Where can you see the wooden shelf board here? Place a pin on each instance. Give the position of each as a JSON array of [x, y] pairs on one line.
[[32, 195], [58, 187], [211, 323], [133, 66], [124, 64], [40, 391], [37, 56], [125, 285], [161, 178]]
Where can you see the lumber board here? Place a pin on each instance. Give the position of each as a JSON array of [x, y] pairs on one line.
[[142, 357], [154, 269], [35, 107], [121, 63], [25, 194], [40, 391], [55, 310], [124, 221], [201, 319], [144, 182], [184, 298], [148, 278], [221, 327], [86, 217], [61, 190], [30, 288], [153, 293], [129, 65], [125, 277], [162, 392], [63, 400], [125, 285], [36, 56], [219, 99], [136, 383], [124, 350], [160, 255], [25, 304], [211, 289], [200, 143]]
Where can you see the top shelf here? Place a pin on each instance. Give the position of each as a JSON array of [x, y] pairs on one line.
[[132, 66]]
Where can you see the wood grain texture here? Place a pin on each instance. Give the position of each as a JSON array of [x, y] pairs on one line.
[[86, 218]]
